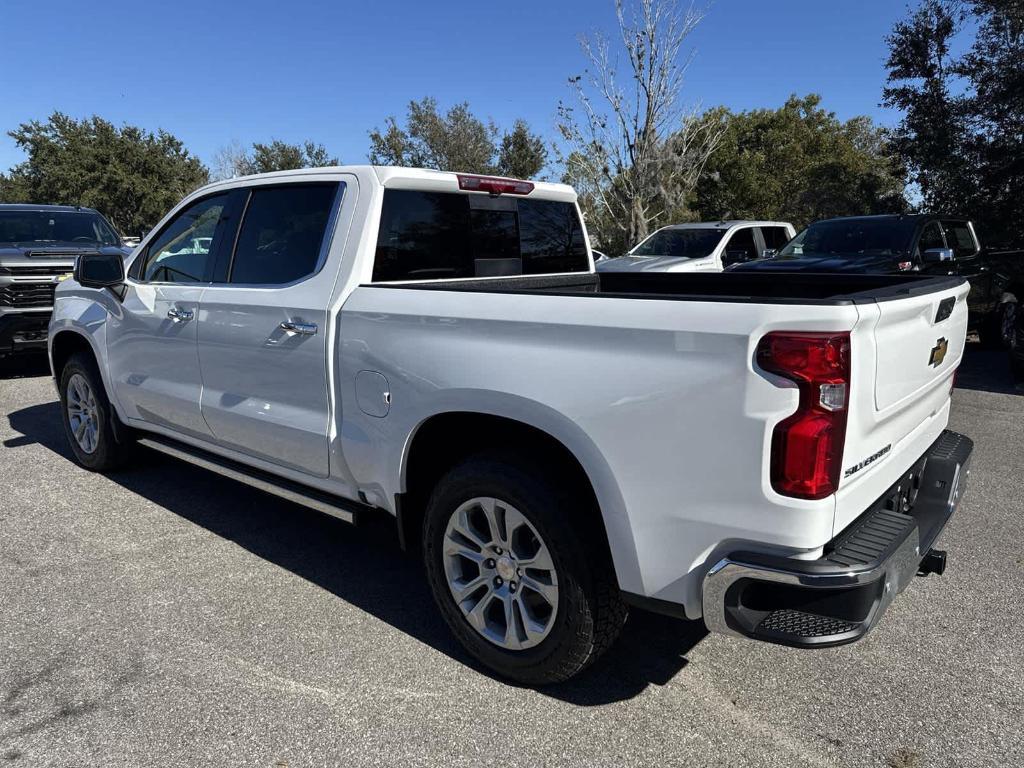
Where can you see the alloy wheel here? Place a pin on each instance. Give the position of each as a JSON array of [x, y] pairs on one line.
[[83, 413], [500, 573]]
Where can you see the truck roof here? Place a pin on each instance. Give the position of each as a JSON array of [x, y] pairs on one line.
[[726, 224], [404, 178], [912, 217]]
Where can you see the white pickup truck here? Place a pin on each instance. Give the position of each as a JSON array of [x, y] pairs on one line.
[[703, 247], [770, 455]]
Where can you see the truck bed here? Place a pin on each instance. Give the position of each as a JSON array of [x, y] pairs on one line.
[[746, 287]]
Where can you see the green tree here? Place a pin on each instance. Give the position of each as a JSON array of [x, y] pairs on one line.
[[233, 160], [962, 132], [931, 137], [798, 163], [456, 141], [522, 155], [131, 175]]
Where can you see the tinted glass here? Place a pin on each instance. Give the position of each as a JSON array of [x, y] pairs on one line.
[[181, 252], [959, 238], [53, 227], [440, 235], [852, 237], [282, 234], [682, 243], [551, 238], [931, 237], [774, 237], [741, 244]]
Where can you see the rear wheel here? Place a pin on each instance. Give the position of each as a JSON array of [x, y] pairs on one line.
[[518, 572], [89, 421]]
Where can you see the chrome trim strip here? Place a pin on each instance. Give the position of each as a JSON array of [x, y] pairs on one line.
[[243, 477]]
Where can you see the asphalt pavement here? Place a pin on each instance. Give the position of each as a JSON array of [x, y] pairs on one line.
[[166, 616]]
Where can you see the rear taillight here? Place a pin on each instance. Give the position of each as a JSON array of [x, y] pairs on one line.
[[494, 185], [807, 447]]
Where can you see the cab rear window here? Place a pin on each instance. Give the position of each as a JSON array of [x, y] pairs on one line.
[[444, 235]]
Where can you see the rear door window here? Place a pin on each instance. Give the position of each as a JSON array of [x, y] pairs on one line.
[[444, 235], [740, 247], [282, 234], [775, 237], [960, 239]]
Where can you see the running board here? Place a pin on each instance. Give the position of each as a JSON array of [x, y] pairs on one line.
[[334, 506]]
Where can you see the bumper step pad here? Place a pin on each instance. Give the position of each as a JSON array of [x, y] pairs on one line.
[[792, 623], [839, 597]]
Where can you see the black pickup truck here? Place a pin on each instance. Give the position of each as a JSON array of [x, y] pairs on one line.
[[929, 244]]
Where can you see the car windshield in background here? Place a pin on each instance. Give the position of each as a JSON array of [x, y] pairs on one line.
[[45, 227], [682, 243], [864, 237]]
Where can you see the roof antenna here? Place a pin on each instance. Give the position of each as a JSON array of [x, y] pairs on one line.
[[725, 217]]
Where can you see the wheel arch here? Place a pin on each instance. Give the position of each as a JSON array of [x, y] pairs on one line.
[[445, 437], [66, 343]]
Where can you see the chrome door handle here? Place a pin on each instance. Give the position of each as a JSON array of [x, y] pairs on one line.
[[180, 315], [302, 329]]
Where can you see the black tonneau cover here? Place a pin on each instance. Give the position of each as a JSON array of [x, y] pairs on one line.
[[796, 288]]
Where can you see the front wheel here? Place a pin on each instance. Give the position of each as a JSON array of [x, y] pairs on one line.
[[517, 572], [88, 416]]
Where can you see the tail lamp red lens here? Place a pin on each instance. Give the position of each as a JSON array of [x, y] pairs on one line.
[[494, 185], [807, 447]]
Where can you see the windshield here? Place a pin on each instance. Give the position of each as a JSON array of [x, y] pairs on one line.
[[853, 237], [682, 243], [46, 227]]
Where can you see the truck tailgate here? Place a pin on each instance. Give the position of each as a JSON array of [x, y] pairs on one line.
[[904, 354], [918, 341]]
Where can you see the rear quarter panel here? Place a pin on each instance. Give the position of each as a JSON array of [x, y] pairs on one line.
[[659, 400]]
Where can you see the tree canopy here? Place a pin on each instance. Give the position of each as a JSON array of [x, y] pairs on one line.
[[131, 175], [234, 160], [962, 132], [457, 141], [798, 163]]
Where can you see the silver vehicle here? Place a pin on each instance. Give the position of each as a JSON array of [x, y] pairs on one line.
[[704, 247]]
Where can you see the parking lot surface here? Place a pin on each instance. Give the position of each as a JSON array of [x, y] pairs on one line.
[[167, 616]]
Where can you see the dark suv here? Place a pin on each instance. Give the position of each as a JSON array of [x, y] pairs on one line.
[[38, 248]]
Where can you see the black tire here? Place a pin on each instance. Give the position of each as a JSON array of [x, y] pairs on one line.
[[112, 437], [590, 611], [990, 332], [1017, 346]]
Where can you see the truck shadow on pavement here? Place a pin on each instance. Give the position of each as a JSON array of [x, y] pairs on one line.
[[986, 370], [24, 366], [337, 557]]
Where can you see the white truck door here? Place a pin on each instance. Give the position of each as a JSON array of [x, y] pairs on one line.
[[263, 330], [151, 344]]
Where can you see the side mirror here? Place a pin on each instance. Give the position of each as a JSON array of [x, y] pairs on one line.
[[938, 255], [769, 253], [599, 255], [99, 270]]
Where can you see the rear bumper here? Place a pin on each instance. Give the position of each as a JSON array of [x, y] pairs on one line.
[[21, 331], [839, 597]]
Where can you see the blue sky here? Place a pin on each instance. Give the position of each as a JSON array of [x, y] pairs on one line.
[[212, 73]]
